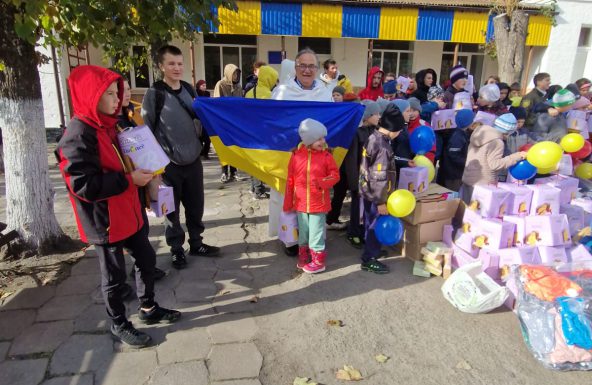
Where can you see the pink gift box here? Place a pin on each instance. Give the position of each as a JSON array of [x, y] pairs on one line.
[[552, 255], [578, 253], [517, 256], [490, 260], [521, 197], [164, 204], [490, 201], [586, 204], [470, 222], [545, 199], [447, 235], [567, 185], [519, 230], [465, 242], [493, 234], [575, 218], [547, 230], [414, 179]]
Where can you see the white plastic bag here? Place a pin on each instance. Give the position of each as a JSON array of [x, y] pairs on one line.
[[470, 290]]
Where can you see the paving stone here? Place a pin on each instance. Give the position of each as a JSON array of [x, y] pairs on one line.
[[13, 322], [4, 346], [29, 298], [198, 272], [235, 302], [232, 361], [166, 298], [82, 353], [94, 319], [22, 372], [184, 346], [195, 315], [194, 373], [86, 266], [233, 328], [238, 382], [42, 337], [79, 284], [83, 379], [128, 368], [195, 291], [63, 307]]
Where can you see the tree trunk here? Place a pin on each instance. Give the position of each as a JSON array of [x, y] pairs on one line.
[[29, 195], [510, 41]]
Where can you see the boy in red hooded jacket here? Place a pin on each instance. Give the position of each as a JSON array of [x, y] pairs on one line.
[[373, 89], [105, 199], [312, 172]]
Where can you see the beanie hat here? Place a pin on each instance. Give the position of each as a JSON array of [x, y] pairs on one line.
[[435, 92], [518, 112], [415, 104], [383, 104], [463, 118], [390, 87], [311, 130], [402, 104], [563, 98], [505, 123], [581, 103], [392, 119], [349, 97], [458, 72], [339, 90], [372, 108], [490, 93]]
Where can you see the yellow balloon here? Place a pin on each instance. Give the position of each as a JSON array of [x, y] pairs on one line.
[[572, 142], [549, 170], [422, 161], [401, 203], [544, 154], [584, 171]]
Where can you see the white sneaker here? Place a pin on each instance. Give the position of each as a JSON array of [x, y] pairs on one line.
[[337, 226]]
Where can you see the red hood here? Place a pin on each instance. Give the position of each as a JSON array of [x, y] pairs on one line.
[[87, 84], [371, 74], [369, 92]]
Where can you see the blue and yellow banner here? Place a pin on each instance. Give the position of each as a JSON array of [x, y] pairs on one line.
[[257, 136]]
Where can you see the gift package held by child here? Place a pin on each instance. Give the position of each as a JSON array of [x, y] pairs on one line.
[[414, 179], [139, 145], [162, 199], [288, 227]]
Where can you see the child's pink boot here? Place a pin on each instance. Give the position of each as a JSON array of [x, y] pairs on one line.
[[317, 264], [303, 257]]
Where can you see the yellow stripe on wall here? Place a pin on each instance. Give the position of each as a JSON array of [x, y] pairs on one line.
[[320, 20], [247, 21], [398, 24], [539, 30], [469, 27]]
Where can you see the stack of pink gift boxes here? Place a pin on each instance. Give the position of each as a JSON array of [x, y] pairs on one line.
[[512, 224]]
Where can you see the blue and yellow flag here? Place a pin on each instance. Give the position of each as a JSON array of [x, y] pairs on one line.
[[257, 136]]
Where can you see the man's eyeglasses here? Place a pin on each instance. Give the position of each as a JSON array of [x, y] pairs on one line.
[[304, 67]]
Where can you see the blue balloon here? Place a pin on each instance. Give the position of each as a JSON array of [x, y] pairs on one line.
[[422, 140], [388, 230], [522, 170]]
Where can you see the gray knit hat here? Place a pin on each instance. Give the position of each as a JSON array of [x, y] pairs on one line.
[[382, 103], [415, 104], [311, 130], [372, 108]]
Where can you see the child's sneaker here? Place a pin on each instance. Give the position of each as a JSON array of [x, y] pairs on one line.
[[337, 225], [303, 257], [317, 265], [375, 267], [157, 314], [129, 335]]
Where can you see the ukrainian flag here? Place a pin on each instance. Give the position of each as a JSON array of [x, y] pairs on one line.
[[257, 136]]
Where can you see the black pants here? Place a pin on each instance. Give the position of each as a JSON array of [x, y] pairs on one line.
[[355, 228], [113, 273], [228, 170], [339, 193], [188, 188], [205, 144]]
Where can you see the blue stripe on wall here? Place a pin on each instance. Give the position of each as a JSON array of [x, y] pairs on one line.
[[434, 25], [360, 22], [281, 18], [490, 32], [214, 12]]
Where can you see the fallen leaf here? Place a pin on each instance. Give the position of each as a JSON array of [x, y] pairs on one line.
[[223, 292], [254, 299], [349, 373], [464, 365], [303, 381], [335, 322], [5, 294], [382, 358]]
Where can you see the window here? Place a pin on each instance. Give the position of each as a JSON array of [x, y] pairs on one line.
[[393, 56], [221, 50], [468, 56], [321, 45], [584, 40], [140, 76]]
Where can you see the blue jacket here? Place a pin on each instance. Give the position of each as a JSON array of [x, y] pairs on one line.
[[454, 155]]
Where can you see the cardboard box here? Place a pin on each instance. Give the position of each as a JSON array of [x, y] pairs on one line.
[[545, 199], [519, 230], [517, 256], [547, 230], [575, 218], [164, 204], [414, 179], [578, 253], [521, 197], [567, 185], [490, 201], [493, 234], [435, 204], [552, 255], [416, 237]]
